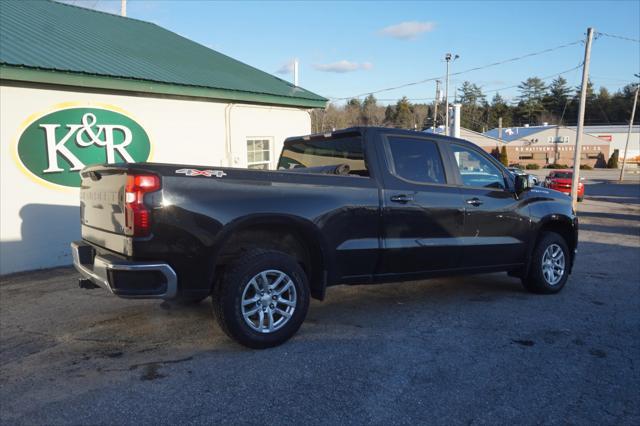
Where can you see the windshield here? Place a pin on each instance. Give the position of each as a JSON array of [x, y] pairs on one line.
[[562, 175], [343, 149]]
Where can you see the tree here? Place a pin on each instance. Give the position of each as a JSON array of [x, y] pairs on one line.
[[474, 111], [503, 156], [353, 112], [403, 117], [499, 109], [613, 160], [389, 115], [421, 115], [471, 94], [372, 114], [532, 91], [555, 101], [601, 106], [495, 153]]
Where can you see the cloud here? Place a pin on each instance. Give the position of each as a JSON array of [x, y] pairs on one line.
[[343, 66], [408, 30], [286, 68]]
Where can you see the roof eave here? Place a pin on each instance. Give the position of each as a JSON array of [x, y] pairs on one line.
[[24, 74]]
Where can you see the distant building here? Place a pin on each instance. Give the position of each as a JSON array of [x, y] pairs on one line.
[[544, 145], [616, 135], [540, 145], [487, 143]]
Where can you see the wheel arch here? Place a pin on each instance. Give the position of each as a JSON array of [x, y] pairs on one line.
[[562, 225], [290, 234]]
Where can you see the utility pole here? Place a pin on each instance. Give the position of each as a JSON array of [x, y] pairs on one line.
[[626, 145], [435, 106], [448, 57], [123, 7], [583, 100]]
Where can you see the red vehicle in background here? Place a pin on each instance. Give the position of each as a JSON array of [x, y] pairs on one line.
[[560, 180]]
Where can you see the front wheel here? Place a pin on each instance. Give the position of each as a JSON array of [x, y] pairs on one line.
[[549, 268], [262, 299]]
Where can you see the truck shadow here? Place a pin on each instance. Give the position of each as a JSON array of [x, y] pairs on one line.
[[60, 225]]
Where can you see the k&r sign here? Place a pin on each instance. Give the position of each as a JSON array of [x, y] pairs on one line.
[[56, 146]]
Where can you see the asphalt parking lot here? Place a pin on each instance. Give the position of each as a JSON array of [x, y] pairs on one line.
[[445, 351]]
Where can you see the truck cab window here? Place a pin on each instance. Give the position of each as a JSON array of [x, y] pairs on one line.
[[417, 160], [476, 170], [338, 150]]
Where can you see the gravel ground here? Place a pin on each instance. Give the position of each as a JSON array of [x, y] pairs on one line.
[[465, 350]]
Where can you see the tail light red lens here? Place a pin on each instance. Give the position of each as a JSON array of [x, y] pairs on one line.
[[137, 215]]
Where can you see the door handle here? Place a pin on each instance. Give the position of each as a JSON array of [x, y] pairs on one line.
[[475, 201], [401, 198]]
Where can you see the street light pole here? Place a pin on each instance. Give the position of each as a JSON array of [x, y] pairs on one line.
[[580, 128], [435, 106], [626, 145], [448, 58]]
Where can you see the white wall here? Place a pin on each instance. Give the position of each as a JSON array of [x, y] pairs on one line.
[[274, 123], [619, 140], [37, 221]]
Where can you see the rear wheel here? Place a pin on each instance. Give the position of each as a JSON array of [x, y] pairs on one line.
[[262, 299], [549, 269]]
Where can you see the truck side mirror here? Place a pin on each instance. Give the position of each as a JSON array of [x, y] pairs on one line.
[[523, 183]]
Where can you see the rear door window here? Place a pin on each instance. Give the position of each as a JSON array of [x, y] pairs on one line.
[[416, 160]]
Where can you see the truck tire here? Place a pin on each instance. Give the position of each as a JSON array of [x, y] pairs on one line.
[[262, 298], [549, 268]]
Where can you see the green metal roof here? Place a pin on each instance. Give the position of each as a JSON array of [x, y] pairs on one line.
[[50, 42]]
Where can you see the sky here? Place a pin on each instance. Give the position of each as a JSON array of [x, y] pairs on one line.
[[353, 48]]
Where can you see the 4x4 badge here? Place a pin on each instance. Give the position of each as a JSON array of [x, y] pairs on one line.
[[207, 173]]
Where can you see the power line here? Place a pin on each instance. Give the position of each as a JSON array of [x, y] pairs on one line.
[[635, 40], [492, 90], [505, 61]]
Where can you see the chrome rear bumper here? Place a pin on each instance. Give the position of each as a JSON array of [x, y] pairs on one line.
[[131, 280]]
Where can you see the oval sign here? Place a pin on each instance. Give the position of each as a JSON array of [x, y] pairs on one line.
[[57, 146]]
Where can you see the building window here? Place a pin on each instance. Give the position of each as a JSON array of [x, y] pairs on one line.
[[258, 153]]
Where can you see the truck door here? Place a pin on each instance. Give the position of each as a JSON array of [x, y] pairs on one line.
[[422, 211], [496, 222]]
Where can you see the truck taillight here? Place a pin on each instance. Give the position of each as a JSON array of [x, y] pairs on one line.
[[137, 215]]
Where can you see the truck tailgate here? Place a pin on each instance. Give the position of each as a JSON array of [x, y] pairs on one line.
[[102, 209], [102, 201]]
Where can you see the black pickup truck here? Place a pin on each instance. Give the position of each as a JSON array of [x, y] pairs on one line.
[[354, 206]]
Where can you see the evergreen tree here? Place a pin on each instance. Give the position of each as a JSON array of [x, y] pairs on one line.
[[601, 106], [471, 94], [532, 91], [389, 115], [403, 117], [503, 156], [613, 160], [557, 97], [495, 153], [497, 109], [474, 111], [369, 111]]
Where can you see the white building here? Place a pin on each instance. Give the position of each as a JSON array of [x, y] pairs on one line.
[[79, 86], [617, 136]]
